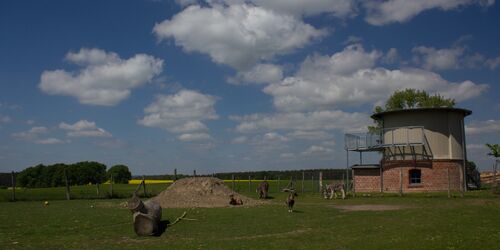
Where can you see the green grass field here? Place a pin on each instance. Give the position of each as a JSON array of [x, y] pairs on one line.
[[125, 190], [428, 221]]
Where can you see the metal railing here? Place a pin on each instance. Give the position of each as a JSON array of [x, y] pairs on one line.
[[387, 137]]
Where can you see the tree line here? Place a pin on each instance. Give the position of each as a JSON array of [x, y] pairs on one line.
[[79, 173], [328, 174]]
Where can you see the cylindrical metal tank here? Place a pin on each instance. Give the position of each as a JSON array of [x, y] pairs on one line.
[[442, 129]]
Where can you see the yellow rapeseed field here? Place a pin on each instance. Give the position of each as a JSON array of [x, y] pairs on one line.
[[138, 181]]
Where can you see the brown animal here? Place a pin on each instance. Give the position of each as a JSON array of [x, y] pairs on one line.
[[262, 189], [290, 201], [331, 190], [233, 201]]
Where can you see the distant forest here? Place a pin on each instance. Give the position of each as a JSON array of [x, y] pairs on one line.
[[42, 177]]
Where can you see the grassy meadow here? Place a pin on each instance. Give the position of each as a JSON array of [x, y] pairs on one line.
[[426, 221]]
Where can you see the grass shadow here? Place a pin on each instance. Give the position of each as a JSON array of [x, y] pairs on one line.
[[162, 227]]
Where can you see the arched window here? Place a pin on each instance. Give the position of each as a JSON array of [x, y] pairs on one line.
[[415, 176]]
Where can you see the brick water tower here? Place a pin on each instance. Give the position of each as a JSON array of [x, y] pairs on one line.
[[420, 149]]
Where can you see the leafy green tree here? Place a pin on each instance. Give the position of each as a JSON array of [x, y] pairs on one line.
[[120, 173], [412, 98], [495, 152], [409, 99], [53, 175]]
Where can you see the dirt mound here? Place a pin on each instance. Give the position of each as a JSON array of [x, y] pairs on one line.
[[200, 192]]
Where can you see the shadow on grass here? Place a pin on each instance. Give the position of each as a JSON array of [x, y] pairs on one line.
[[162, 227]]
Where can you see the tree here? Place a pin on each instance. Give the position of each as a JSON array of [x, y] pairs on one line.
[[495, 152], [409, 99], [80, 173], [120, 174], [412, 98]]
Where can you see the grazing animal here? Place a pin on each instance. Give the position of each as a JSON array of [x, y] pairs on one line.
[[262, 189], [331, 190], [290, 201]]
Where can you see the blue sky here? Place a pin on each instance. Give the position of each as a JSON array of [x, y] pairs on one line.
[[232, 85]]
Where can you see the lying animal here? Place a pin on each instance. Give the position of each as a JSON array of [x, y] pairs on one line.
[[234, 202], [331, 190], [262, 189], [290, 201]]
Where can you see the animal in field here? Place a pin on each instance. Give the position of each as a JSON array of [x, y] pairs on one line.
[[262, 189], [234, 202], [330, 191], [290, 201]]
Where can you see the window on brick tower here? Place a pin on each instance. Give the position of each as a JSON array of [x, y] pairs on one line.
[[415, 176]]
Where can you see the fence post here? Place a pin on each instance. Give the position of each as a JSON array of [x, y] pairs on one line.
[[111, 186], [232, 178], [13, 182], [303, 178], [400, 181], [144, 186], [194, 173], [175, 174], [97, 187], [249, 184], [320, 181], [279, 183], [68, 197], [312, 183], [448, 175]]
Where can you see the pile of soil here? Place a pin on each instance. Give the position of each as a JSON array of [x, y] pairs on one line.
[[200, 192]]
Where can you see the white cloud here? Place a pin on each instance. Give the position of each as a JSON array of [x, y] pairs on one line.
[[84, 128], [493, 63], [34, 134], [287, 155], [194, 137], [310, 121], [338, 8], [438, 59], [237, 35], [259, 74], [240, 140], [274, 137], [309, 135], [49, 141], [483, 127], [316, 150], [352, 40], [346, 62], [181, 113], [5, 119], [105, 78], [391, 56], [350, 78], [403, 10], [31, 134]]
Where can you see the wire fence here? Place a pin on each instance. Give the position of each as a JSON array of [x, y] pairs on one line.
[[307, 181]]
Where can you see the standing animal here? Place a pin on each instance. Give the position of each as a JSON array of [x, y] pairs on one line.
[[290, 201], [262, 189], [331, 190]]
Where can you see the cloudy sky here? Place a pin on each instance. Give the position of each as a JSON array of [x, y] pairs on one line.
[[232, 85]]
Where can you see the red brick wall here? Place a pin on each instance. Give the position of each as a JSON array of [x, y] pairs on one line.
[[367, 180], [434, 176]]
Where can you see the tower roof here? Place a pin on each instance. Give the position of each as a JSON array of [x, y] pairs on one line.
[[378, 116]]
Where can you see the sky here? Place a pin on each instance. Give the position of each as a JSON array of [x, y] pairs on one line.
[[232, 85]]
